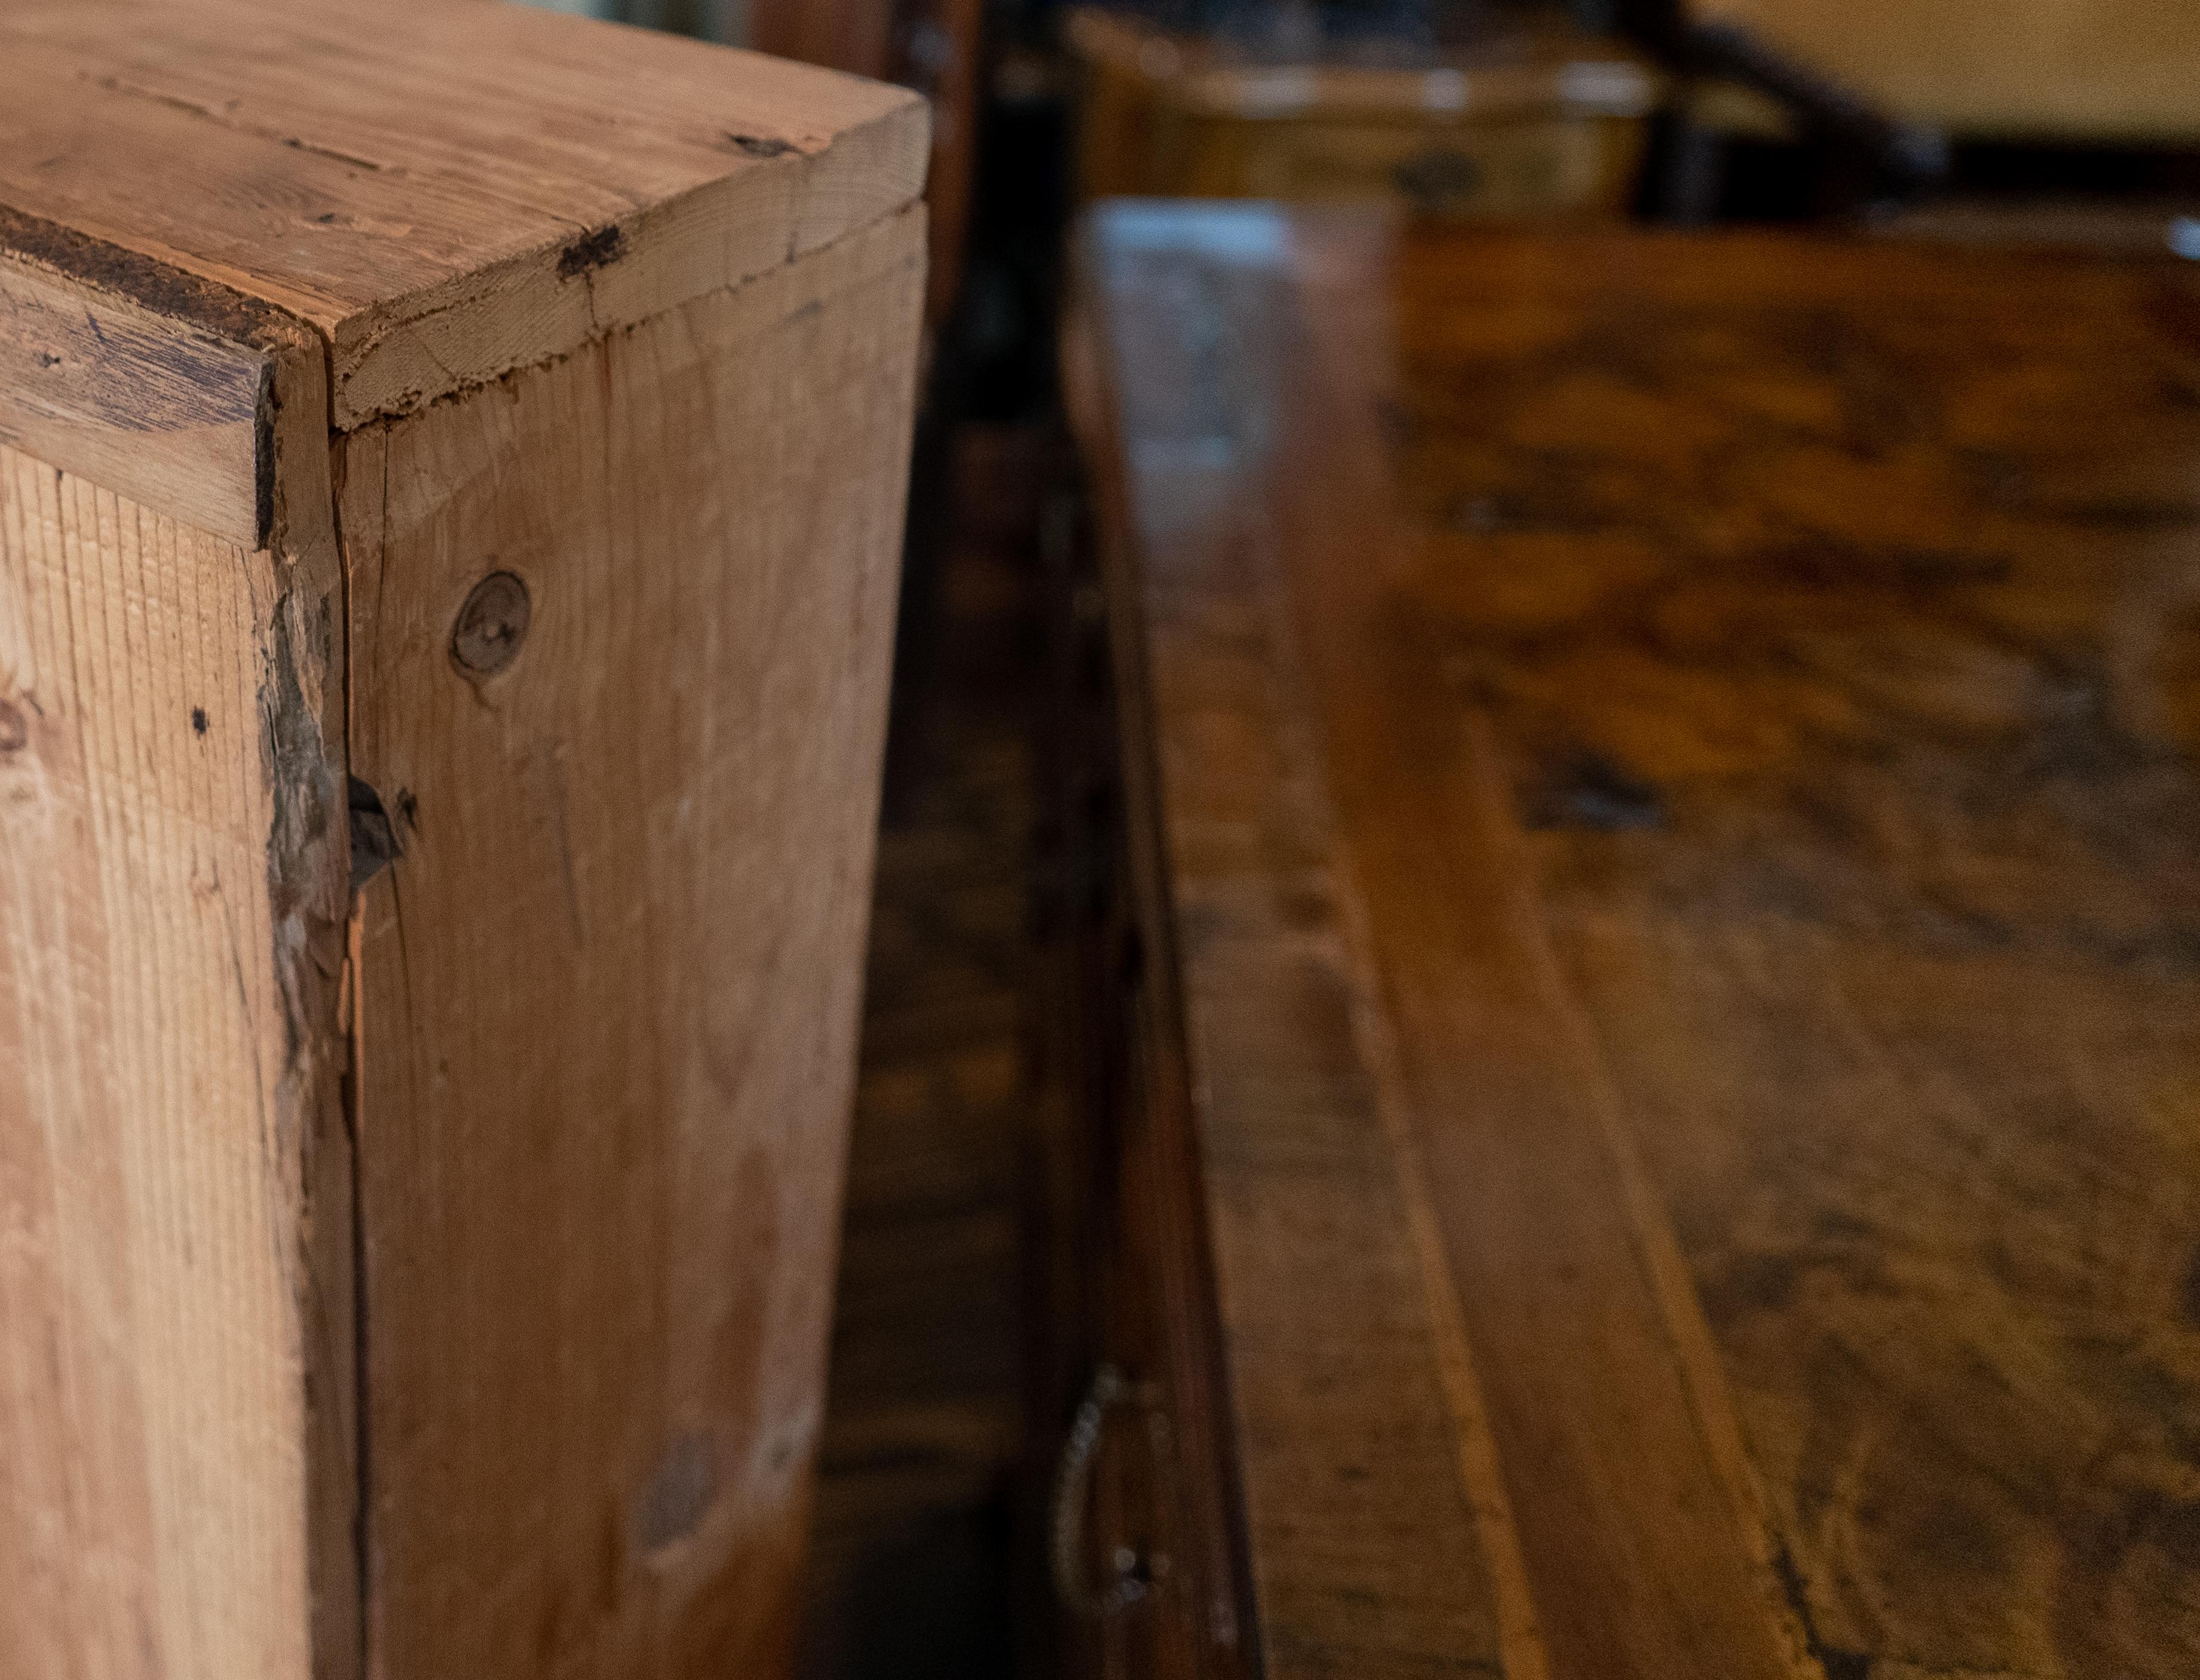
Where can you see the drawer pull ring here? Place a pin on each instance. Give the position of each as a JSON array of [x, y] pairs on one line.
[[1130, 1572]]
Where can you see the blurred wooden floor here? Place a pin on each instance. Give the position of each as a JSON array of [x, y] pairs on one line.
[[909, 1564]]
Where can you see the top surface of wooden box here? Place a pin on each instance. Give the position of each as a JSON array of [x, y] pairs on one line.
[[441, 192]]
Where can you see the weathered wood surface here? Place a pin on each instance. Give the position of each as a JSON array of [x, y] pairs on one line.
[[445, 192], [172, 870], [1718, 722], [151, 1274], [609, 987], [118, 394], [425, 1035]]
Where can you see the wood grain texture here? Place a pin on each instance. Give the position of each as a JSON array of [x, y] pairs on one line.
[[1894, 980], [445, 192], [171, 903], [609, 989], [1638, 1520], [112, 392], [1748, 688], [1360, 1475]]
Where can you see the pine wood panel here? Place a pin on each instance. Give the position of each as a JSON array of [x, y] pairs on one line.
[[447, 192], [1747, 687], [163, 1123], [610, 987]]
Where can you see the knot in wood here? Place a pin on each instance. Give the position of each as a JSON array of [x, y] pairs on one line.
[[492, 624], [14, 728]]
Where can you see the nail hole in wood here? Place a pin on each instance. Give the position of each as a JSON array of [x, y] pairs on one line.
[[492, 624], [679, 1494], [375, 845]]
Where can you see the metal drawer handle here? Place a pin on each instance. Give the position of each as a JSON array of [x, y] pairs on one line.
[[1131, 1573]]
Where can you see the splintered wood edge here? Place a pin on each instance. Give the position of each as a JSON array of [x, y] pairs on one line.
[[547, 302]]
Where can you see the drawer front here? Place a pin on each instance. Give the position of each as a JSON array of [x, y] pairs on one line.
[[1142, 1534], [1553, 164], [1547, 166]]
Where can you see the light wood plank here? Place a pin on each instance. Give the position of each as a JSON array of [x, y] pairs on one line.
[[610, 988], [161, 1097]]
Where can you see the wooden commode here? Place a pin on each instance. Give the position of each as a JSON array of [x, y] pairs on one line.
[[1632, 997]]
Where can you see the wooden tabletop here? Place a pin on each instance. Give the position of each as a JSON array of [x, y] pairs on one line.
[[1674, 759]]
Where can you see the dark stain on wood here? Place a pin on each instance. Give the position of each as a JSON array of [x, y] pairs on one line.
[[375, 843], [1837, 1664], [265, 464], [591, 251], [147, 281], [679, 1494], [1587, 790], [140, 381]]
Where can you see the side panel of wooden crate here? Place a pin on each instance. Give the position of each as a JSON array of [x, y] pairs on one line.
[[175, 1184], [609, 987]]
